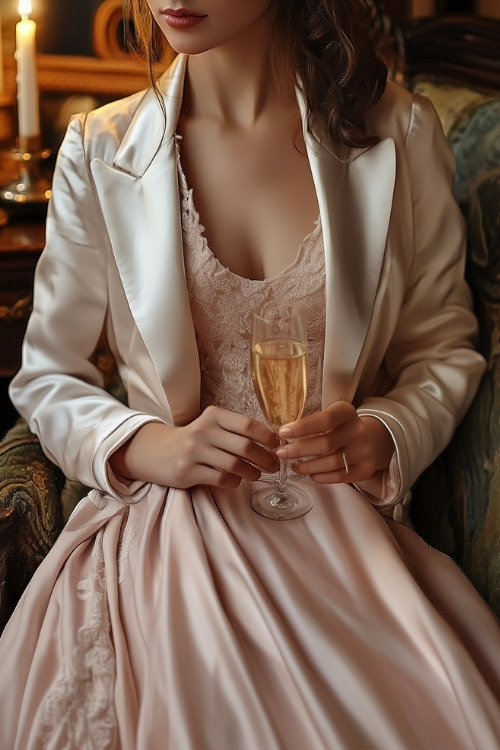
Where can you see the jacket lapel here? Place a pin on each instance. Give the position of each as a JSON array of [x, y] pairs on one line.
[[140, 199], [355, 198]]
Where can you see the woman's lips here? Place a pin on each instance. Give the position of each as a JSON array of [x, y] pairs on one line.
[[182, 18]]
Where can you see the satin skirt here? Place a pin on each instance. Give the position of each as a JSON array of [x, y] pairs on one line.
[[187, 622]]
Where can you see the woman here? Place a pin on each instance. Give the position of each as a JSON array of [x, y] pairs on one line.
[[168, 614]]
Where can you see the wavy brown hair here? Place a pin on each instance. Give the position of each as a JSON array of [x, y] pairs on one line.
[[324, 45], [144, 35]]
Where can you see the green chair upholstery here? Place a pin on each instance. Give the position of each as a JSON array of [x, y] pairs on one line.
[[31, 510]]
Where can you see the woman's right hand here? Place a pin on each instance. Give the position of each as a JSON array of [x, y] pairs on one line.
[[219, 448]]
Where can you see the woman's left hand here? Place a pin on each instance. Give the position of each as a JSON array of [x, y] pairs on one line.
[[336, 445]]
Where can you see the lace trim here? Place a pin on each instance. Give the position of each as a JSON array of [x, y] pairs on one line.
[[79, 710]]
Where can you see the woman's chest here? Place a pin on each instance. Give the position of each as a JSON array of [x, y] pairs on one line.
[[255, 196]]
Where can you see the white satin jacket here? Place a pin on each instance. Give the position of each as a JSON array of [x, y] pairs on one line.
[[399, 330]]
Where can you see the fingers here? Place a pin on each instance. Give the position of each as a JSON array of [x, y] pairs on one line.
[[239, 458], [242, 425], [332, 418], [199, 462], [323, 433], [226, 447], [353, 464], [241, 436], [331, 446]]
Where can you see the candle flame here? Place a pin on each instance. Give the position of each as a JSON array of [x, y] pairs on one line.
[[24, 8]]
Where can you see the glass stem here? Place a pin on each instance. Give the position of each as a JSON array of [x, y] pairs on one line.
[[281, 489]]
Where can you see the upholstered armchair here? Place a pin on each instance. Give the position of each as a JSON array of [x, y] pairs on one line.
[[456, 505], [36, 499]]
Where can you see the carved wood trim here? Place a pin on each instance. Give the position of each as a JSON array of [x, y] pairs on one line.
[[18, 312]]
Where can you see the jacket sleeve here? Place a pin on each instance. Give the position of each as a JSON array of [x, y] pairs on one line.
[[58, 390], [431, 362]]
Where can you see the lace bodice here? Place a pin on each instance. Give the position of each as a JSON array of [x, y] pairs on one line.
[[222, 303]]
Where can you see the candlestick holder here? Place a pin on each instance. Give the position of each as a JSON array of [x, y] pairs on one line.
[[31, 188]]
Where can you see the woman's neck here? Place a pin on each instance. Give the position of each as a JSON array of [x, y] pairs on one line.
[[234, 84]]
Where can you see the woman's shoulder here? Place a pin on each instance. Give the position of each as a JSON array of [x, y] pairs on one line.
[[111, 121], [101, 133]]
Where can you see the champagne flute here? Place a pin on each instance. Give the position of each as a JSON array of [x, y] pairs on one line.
[[279, 375]]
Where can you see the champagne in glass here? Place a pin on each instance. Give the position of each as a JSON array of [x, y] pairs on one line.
[[279, 374]]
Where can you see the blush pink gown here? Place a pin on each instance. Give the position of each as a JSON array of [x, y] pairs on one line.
[[187, 622]]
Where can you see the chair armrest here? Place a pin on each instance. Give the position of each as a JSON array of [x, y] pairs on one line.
[[31, 511]]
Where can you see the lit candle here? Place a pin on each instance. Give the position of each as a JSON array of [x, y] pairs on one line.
[[27, 87]]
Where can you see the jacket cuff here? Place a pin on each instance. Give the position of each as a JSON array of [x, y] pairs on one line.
[[108, 482], [385, 490]]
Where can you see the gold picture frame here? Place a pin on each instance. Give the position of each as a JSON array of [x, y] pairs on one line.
[[91, 75]]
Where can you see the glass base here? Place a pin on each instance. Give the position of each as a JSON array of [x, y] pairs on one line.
[[270, 504]]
